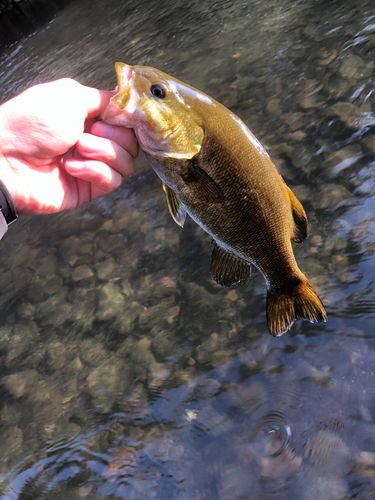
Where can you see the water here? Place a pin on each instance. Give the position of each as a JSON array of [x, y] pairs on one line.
[[125, 371]]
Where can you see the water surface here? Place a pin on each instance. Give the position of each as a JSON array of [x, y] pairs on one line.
[[125, 371]]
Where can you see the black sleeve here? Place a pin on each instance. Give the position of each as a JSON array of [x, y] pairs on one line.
[[8, 213]]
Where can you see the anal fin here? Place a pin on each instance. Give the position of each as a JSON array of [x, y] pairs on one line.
[[176, 210], [227, 269], [299, 217]]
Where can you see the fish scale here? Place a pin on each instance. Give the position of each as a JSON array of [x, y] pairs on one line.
[[214, 169]]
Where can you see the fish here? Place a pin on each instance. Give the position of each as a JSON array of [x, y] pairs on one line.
[[214, 169]]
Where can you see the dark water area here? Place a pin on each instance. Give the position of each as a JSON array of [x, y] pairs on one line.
[[125, 371], [26, 17]]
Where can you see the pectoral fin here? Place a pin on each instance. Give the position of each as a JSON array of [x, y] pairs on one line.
[[200, 183], [227, 269], [299, 217], [176, 210]]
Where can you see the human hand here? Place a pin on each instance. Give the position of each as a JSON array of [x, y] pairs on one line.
[[54, 155]]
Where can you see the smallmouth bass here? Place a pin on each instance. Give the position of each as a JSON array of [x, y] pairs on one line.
[[214, 169]]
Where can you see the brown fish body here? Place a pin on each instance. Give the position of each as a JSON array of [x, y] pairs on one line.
[[231, 188]]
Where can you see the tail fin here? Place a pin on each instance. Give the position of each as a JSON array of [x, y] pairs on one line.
[[284, 308]]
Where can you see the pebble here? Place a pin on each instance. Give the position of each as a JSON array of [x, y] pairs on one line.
[[92, 353], [328, 451], [365, 464], [21, 383], [294, 120], [369, 142], [314, 484], [108, 381], [343, 158], [141, 354], [327, 57], [55, 310], [282, 465], [274, 108], [356, 68], [252, 400], [158, 374], [81, 273], [111, 302], [158, 314], [331, 196], [350, 114], [55, 353], [163, 345], [107, 269]]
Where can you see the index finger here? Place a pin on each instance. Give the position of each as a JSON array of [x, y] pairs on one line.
[[123, 136], [95, 100]]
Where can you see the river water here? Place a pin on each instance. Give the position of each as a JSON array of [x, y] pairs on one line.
[[125, 371]]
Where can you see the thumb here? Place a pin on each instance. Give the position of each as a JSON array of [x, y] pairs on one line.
[[95, 101]]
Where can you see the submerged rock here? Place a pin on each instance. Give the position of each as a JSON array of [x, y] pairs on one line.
[[111, 302], [332, 196], [163, 344], [343, 158], [165, 311], [351, 115], [312, 484], [282, 465], [81, 273], [22, 383], [92, 352], [141, 354], [252, 400], [328, 451], [355, 67], [107, 269], [365, 464], [108, 381], [55, 354]]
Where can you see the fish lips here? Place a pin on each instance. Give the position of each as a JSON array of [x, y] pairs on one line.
[[120, 109], [113, 115]]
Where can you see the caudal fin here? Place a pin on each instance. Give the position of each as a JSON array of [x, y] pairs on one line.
[[284, 308]]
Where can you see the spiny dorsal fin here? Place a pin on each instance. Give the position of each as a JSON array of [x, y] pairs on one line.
[[176, 210], [227, 269], [299, 217]]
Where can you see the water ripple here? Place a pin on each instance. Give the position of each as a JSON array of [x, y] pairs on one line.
[[270, 436]]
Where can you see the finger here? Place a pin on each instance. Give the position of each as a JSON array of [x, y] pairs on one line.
[[122, 135], [94, 100], [95, 172], [88, 125], [106, 151]]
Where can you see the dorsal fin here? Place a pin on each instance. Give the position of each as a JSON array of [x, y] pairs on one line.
[[227, 269], [299, 217], [176, 210]]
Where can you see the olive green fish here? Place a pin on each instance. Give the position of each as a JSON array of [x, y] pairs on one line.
[[214, 169]]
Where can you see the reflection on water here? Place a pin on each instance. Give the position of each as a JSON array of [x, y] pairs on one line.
[[125, 371]]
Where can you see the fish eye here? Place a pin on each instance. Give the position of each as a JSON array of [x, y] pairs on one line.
[[158, 90]]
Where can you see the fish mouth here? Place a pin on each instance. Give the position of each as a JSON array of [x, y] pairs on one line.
[[124, 77], [116, 113]]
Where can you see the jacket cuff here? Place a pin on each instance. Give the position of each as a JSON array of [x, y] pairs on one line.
[[7, 207], [3, 225]]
